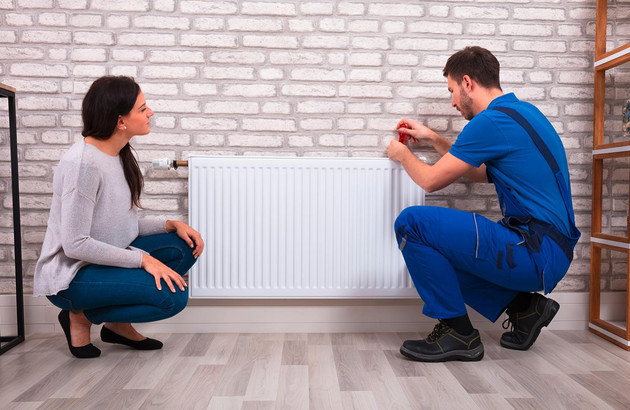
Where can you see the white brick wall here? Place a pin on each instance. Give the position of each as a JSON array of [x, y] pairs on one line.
[[312, 78]]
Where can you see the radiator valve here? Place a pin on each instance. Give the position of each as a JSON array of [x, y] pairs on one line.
[[165, 163]]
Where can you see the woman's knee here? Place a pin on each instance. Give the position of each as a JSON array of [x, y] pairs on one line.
[[184, 254], [174, 303], [173, 251]]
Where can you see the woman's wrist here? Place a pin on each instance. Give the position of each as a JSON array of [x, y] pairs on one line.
[[144, 261], [170, 226]]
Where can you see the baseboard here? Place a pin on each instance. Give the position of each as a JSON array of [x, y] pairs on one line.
[[304, 316]]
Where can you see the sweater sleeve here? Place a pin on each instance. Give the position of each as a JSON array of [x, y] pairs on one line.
[[77, 212], [150, 226]]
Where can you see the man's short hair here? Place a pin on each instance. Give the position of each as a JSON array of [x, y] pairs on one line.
[[476, 62]]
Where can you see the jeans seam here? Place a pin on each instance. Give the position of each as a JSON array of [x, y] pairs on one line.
[[165, 296], [128, 285]]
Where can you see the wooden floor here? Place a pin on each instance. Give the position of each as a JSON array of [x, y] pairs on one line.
[[564, 369]]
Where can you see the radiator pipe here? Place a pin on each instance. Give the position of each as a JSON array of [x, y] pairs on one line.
[[165, 163]]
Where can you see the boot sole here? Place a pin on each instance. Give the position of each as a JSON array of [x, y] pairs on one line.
[[547, 316], [473, 355]]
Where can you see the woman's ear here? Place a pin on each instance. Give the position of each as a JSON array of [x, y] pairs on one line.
[[121, 124]]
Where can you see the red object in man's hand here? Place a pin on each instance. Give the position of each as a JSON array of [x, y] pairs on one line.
[[401, 135]]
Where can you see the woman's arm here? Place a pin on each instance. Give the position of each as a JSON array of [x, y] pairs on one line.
[[77, 212]]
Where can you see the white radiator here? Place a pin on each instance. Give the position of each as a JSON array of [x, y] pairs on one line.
[[299, 227]]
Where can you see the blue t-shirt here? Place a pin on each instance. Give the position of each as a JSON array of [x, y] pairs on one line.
[[495, 139]]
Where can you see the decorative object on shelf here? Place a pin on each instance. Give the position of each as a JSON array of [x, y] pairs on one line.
[[626, 118]]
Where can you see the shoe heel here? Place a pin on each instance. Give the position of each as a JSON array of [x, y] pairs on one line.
[[83, 352], [551, 309]]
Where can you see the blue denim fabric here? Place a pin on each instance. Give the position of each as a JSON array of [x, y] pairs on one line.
[[122, 295], [456, 258]]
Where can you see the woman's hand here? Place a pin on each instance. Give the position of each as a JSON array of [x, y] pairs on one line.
[[188, 234], [162, 272]]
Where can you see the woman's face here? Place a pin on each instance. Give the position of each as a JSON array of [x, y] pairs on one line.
[[138, 120]]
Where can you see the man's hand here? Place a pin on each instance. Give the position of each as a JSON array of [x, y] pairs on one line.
[[397, 151], [431, 177], [418, 132], [415, 130]]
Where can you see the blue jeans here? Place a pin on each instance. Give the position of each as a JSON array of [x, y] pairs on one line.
[[456, 258], [123, 295]]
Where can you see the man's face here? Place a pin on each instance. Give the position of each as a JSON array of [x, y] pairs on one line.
[[460, 98]]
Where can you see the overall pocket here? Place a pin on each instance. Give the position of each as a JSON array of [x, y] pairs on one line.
[[509, 256]]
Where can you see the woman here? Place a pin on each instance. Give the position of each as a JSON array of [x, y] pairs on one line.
[[99, 263]]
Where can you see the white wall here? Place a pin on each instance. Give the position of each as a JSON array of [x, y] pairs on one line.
[[296, 78]]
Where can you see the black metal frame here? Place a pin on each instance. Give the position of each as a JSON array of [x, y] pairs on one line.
[[7, 342]]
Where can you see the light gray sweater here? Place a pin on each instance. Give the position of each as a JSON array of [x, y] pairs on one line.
[[91, 219]]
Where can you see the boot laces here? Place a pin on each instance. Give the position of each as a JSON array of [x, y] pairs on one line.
[[438, 331], [510, 322]]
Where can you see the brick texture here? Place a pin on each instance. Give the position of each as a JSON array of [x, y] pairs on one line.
[[316, 78]]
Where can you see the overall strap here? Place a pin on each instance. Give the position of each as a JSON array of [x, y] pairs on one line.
[[546, 153], [562, 186]]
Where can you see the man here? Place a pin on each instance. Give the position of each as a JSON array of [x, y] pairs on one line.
[[457, 258]]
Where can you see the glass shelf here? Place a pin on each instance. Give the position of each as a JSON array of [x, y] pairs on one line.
[[611, 240], [613, 58], [612, 149]]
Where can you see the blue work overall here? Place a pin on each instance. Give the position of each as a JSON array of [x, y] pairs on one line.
[[456, 258]]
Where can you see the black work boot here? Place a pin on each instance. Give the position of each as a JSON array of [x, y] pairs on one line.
[[443, 344], [526, 325]]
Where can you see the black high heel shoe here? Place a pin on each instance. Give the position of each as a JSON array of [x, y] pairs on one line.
[[109, 336], [83, 352]]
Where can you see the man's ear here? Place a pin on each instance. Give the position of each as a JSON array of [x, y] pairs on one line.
[[467, 82]]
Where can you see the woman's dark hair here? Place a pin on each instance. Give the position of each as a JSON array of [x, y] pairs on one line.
[[476, 62], [107, 99]]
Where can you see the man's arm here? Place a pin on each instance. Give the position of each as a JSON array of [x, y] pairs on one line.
[[444, 172], [431, 177]]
